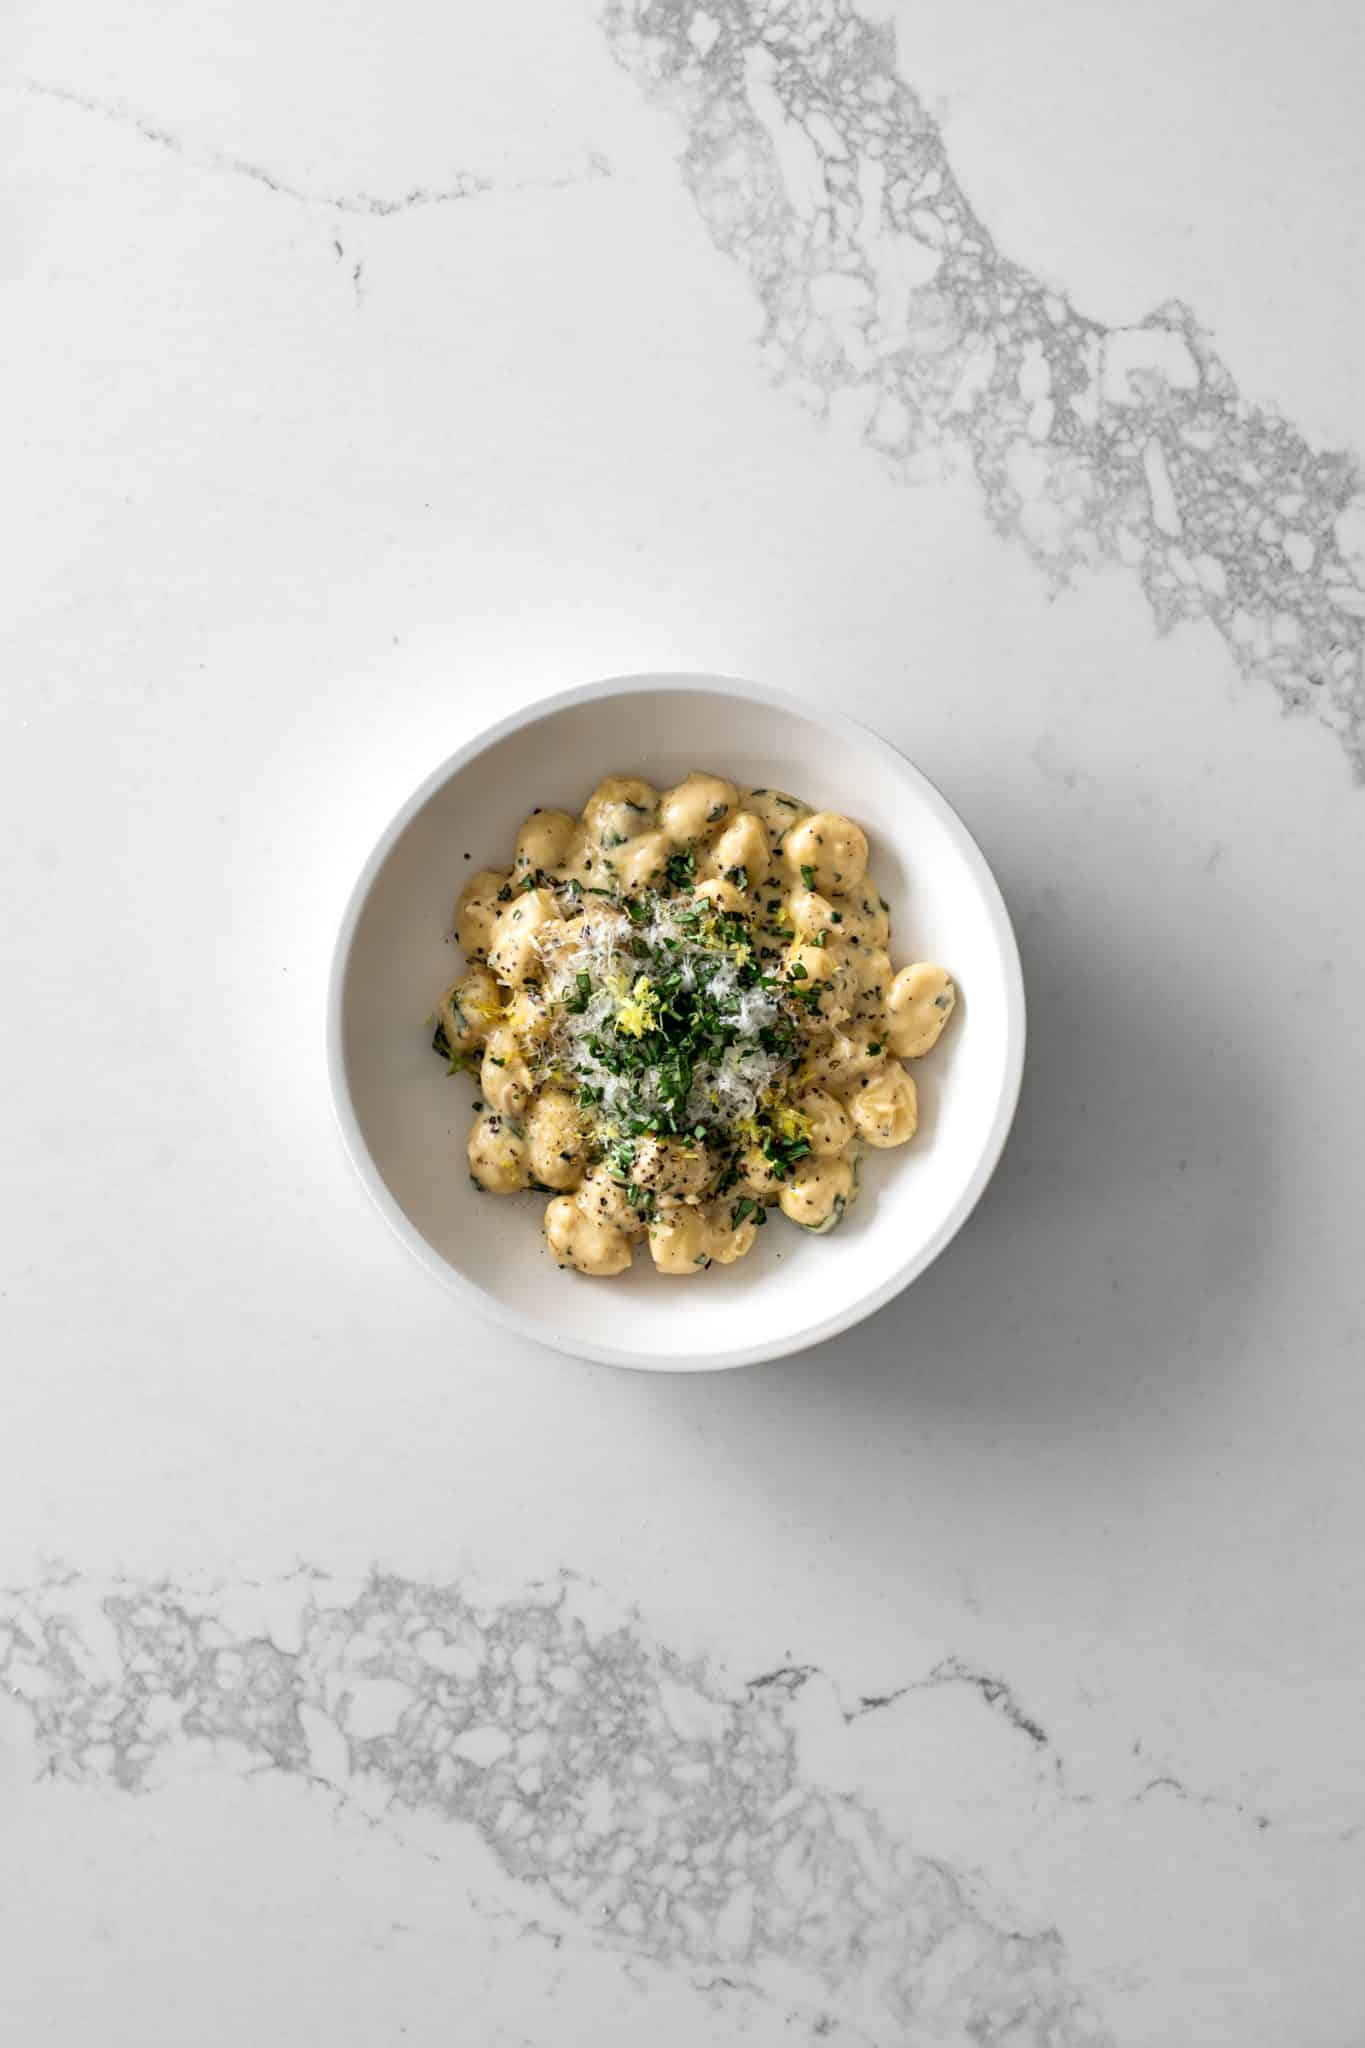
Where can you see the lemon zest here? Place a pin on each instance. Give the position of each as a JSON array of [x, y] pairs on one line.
[[640, 1012], [791, 1123]]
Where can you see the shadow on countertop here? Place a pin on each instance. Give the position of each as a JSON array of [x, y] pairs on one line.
[[1113, 1270]]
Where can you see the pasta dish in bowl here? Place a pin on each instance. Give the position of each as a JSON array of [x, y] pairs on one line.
[[681, 1011], [722, 989]]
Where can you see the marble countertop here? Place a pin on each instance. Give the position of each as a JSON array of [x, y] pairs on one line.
[[992, 1674]]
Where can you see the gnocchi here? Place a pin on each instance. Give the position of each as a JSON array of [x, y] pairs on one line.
[[684, 1018]]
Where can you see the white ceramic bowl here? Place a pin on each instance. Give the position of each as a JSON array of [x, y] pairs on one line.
[[404, 1120]]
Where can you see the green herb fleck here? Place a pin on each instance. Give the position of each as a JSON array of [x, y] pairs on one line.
[[460, 1062]]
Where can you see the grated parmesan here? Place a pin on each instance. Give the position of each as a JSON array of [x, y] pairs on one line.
[[727, 1089]]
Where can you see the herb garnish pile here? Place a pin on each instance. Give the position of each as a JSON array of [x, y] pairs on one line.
[[680, 1026]]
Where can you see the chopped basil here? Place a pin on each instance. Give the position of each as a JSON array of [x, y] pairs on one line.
[[582, 996]]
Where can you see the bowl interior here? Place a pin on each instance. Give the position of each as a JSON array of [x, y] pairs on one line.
[[413, 1119]]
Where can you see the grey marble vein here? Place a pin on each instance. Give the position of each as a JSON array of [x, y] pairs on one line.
[[669, 1812], [995, 1693], [376, 206], [789, 1679], [1164, 1782], [886, 302]]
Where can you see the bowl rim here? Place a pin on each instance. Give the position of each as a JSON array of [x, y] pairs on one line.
[[530, 1327]]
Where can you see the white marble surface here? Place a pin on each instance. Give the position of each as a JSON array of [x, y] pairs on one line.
[[994, 1674]]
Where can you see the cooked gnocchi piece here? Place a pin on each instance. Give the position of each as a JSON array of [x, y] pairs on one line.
[[477, 911], [684, 1018], [739, 853], [543, 841], [827, 851], [469, 1009], [555, 1139], [818, 1193], [498, 1156], [513, 950], [584, 1241], [696, 808], [919, 1004], [885, 1107]]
